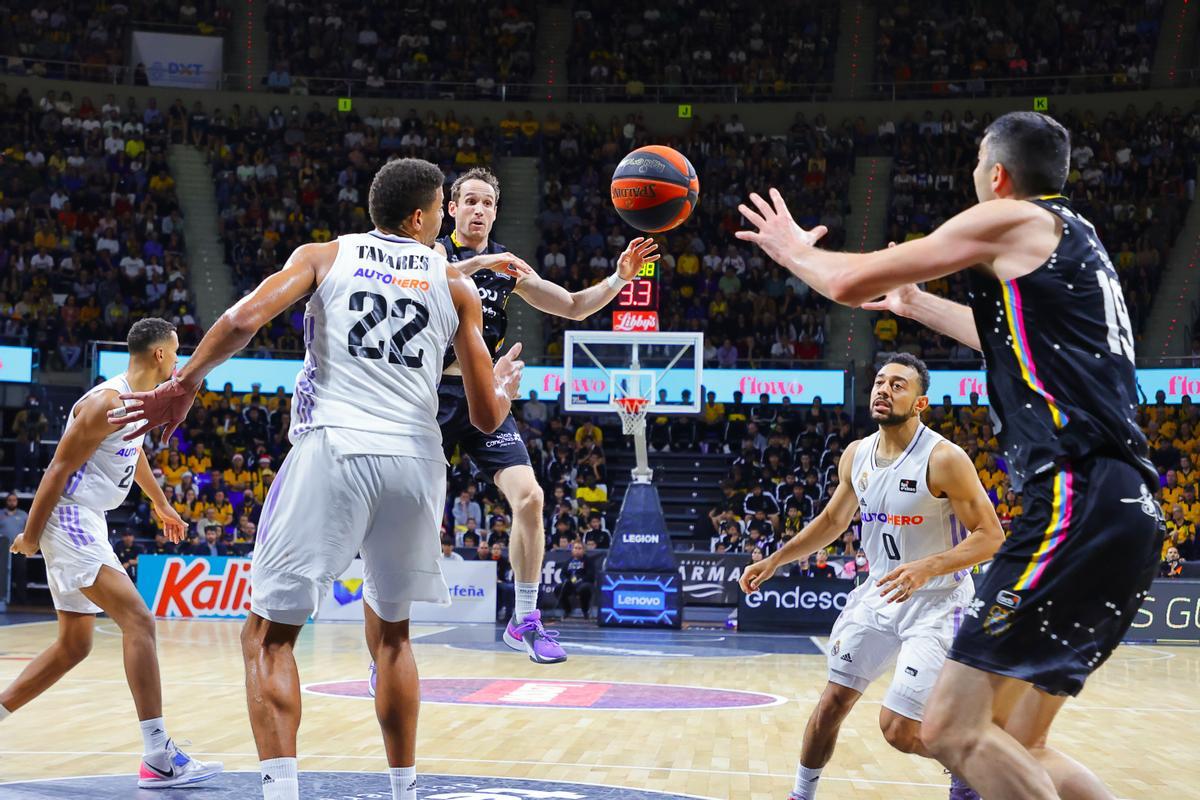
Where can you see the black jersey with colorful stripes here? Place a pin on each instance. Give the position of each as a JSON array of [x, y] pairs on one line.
[[1059, 350], [494, 289]]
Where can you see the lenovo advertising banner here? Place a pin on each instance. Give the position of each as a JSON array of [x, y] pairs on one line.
[[184, 62]]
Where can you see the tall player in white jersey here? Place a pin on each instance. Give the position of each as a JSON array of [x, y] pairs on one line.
[[926, 520], [366, 472], [92, 471]]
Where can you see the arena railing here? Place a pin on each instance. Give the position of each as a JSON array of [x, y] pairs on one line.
[[632, 92]]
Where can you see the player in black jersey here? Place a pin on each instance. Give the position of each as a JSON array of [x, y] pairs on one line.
[[501, 455], [1048, 314]]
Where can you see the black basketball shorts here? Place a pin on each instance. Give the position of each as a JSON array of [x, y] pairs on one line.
[[490, 452], [1069, 580]]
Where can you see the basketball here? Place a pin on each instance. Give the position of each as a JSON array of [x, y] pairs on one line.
[[655, 188]]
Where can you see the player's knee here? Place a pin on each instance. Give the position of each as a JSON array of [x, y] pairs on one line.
[[940, 735], [137, 621], [835, 703], [902, 734], [75, 649], [527, 500]]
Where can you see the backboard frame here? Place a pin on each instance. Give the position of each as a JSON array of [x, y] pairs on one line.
[[690, 357]]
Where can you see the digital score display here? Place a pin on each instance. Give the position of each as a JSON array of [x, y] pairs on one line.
[[641, 294]]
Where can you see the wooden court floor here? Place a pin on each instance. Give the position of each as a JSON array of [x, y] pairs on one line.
[[1137, 723]]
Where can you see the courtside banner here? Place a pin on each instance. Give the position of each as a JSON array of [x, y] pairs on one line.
[[472, 586], [793, 604], [16, 364], [1170, 613], [800, 385], [185, 62], [195, 587], [1174, 383]]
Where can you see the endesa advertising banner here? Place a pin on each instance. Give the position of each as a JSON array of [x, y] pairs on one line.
[[799, 385], [218, 587], [794, 605]]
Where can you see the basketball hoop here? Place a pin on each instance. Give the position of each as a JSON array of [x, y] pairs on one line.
[[632, 411]]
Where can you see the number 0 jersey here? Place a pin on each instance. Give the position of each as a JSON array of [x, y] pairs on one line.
[[1059, 350], [374, 334], [902, 521], [104, 481]]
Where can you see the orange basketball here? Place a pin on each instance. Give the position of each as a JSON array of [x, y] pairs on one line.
[[655, 188]]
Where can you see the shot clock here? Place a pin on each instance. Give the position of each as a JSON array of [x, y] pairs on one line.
[[636, 306]]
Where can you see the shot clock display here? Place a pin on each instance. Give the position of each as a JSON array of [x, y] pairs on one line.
[[641, 294]]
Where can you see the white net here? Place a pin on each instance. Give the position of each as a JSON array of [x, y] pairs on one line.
[[632, 411]]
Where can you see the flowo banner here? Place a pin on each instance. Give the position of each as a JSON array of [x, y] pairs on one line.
[[959, 384], [186, 62], [218, 587], [16, 364]]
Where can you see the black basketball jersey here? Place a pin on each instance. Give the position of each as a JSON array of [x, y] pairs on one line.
[[494, 289], [1059, 350]]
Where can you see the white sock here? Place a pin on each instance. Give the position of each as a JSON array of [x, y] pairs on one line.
[[279, 780], [4, 713], [806, 782], [154, 735], [527, 594], [404, 782]]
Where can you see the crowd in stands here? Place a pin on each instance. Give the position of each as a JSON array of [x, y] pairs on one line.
[[952, 48], [475, 48], [91, 235], [82, 40], [767, 50], [1132, 175]]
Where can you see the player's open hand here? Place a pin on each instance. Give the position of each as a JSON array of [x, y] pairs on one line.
[[173, 525], [167, 404], [777, 233], [507, 264], [507, 372], [24, 546], [639, 251], [900, 584], [755, 575]]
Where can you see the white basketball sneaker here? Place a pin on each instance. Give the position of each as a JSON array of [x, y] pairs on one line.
[[173, 767]]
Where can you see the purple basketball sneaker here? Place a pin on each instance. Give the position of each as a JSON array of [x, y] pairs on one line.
[[959, 790], [371, 682], [530, 637]]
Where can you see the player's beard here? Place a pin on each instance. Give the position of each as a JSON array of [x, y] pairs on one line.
[[891, 419]]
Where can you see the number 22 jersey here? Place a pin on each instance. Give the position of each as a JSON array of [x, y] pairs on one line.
[[104, 480], [374, 334]]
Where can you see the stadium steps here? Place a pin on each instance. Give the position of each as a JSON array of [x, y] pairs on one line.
[[516, 229], [854, 64], [210, 278], [1178, 290], [553, 41], [1176, 43], [689, 484], [850, 336]]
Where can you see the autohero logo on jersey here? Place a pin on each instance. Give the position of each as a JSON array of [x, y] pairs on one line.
[[892, 519]]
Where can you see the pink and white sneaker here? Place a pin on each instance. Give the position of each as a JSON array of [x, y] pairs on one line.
[[173, 767]]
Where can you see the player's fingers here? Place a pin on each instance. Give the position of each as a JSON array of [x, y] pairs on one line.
[[891, 245], [170, 430], [753, 217], [513, 352], [763, 206], [748, 236], [875, 305], [116, 417], [818, 233]]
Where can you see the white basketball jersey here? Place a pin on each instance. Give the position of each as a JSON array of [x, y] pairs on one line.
[[104, 481], [901, 520], [374, 334]]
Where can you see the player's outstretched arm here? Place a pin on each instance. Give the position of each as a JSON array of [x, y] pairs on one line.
[[74, 449], [489, 390], [173, 524], [169, 403], [553, 299], [825, 528], [951, 475], [976, 236]]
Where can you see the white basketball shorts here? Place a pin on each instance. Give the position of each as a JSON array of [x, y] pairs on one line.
[[324, 508], [75, 546], [917, 633]]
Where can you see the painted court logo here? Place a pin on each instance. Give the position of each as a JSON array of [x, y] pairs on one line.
[[341, 786], [591, 695]]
